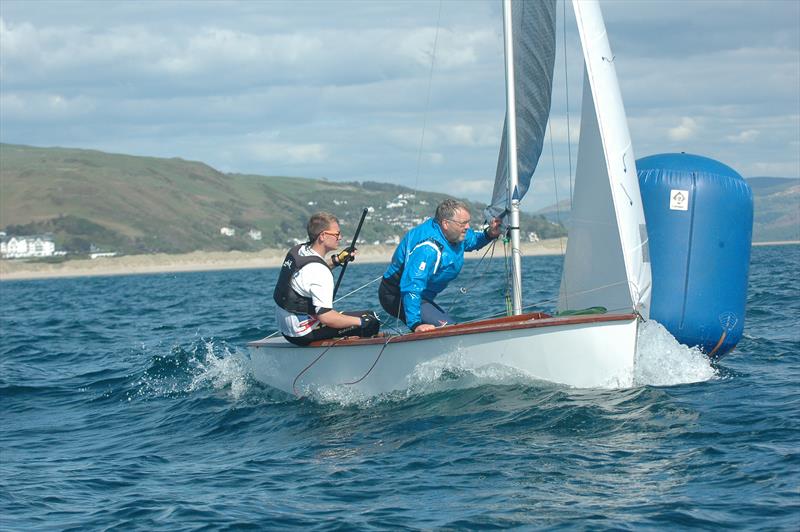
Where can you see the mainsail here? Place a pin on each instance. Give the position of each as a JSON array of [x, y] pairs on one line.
[[534, 31]]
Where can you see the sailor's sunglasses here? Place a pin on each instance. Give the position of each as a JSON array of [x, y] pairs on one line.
[[337, 234]]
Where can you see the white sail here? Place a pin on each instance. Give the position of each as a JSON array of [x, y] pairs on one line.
[[607, 262], [534, 30]]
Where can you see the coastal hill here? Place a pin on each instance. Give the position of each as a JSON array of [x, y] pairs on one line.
[[94, 201], [776, 209]]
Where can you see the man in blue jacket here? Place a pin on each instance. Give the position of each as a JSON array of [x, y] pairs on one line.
[[426, 260]]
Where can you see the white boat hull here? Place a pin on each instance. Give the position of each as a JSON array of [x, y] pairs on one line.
[[585, 352]]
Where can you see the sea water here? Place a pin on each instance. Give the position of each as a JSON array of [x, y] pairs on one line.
[[127, 402]]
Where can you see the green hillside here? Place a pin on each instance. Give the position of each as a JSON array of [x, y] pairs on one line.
[[94, 200], [776, 209]]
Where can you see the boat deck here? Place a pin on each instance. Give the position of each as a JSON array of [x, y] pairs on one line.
[[505, 323]]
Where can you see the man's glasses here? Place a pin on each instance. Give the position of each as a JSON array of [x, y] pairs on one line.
[[460, 224], [337, 234]]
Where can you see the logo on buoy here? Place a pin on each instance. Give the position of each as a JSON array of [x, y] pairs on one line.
[[678, 200], [728, 320]]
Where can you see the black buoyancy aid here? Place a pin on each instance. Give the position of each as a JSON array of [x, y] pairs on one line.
[[284, 295]]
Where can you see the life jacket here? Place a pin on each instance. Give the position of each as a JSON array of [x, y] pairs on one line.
[[284, 295]]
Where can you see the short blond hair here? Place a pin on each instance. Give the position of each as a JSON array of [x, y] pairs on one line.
[[319, 222]]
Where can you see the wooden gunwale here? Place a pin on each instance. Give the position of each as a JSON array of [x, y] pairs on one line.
[[531, 320]]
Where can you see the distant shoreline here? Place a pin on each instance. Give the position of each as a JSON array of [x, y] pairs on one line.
[[13, 270], [226, 260], [777, 243]]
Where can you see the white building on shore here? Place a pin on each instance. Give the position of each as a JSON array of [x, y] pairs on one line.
[[21, 247]]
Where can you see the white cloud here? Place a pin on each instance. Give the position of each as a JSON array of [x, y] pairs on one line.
[[563, 129], [686, 130], [435, 158], [467, 135], [770, 169], [286, 153], [475, 187], [743, 137], [43, 107], [340, 89]]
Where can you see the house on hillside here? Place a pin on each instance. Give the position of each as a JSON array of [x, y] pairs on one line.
[[254, 234], [20, 247], [227, 231]]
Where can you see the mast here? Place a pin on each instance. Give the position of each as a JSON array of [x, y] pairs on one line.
[[513, 199]]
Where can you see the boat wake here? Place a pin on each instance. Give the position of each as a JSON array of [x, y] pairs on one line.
[[206, 364], [214, 365], [220, 369], [662, 361]]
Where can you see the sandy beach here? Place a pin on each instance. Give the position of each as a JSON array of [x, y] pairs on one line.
[[208, 261]]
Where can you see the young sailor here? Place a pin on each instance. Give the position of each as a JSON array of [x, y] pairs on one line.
[[304, 291], [427, 259]]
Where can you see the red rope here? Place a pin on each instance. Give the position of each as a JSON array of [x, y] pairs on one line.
[[294, 382], [364, 376]]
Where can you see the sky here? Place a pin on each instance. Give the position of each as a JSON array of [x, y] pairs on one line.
[[408, 92]]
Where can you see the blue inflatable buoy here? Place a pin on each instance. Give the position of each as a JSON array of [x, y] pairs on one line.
[[699, 215]]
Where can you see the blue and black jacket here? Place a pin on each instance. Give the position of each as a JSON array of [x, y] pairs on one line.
[[425, 262]]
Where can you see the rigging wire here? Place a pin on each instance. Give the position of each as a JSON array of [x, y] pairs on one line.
[[277, 332], [358, 289], [424, 128], [555, 186], [464, 290], [555, 300], [427, 105], [566, 90]]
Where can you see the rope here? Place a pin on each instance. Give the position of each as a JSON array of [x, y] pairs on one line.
[[463, 290], [507, 294], [719, 344], [364, 376], [275, 333], [358, 289], [294, 382]]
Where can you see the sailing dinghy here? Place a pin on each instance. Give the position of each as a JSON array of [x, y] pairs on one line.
[[606, 262]]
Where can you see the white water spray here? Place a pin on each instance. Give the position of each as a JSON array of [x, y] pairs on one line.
[[662, 361], [225, 370]]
